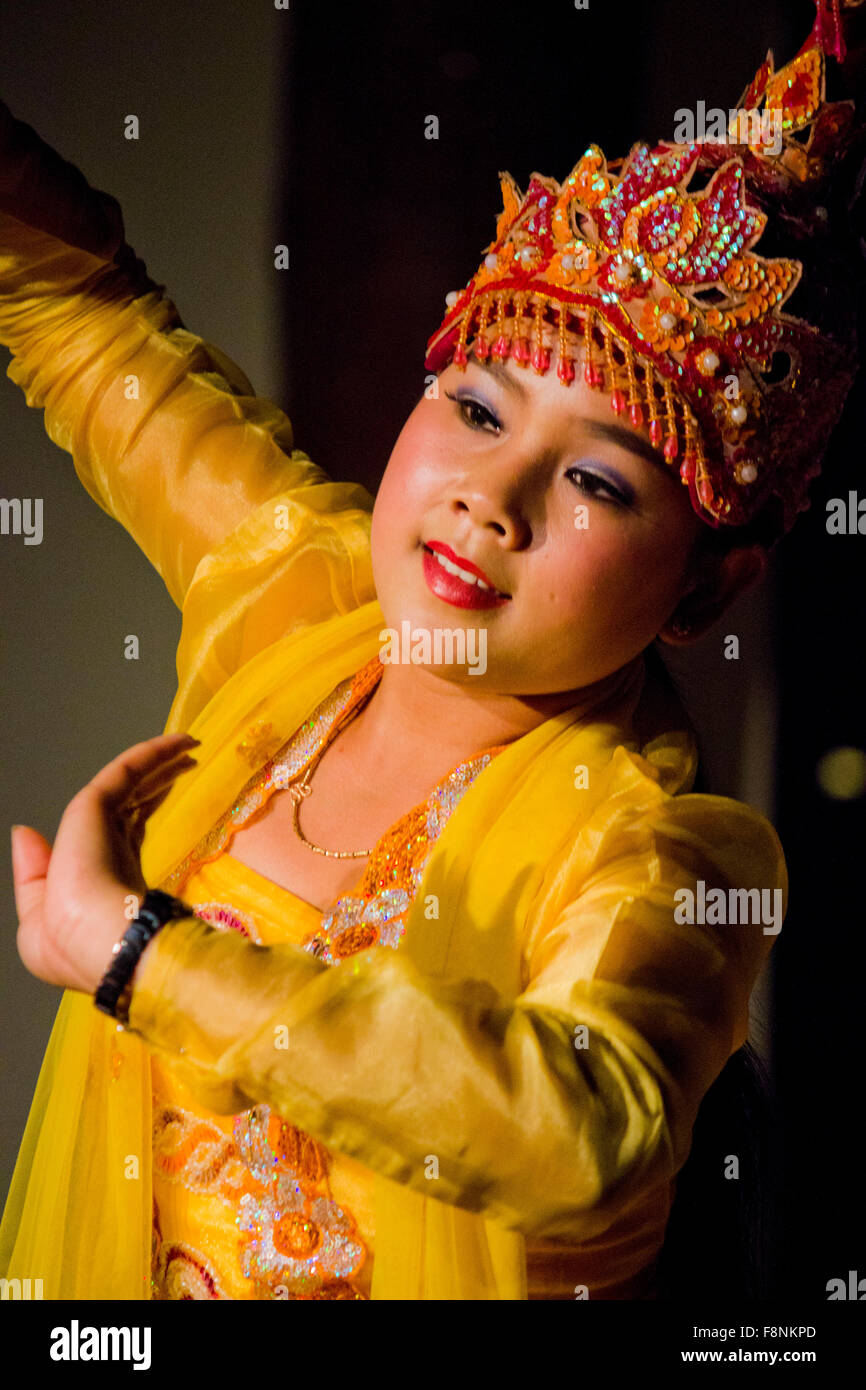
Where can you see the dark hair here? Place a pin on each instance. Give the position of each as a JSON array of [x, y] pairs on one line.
[[720, 1232], [763, 530]]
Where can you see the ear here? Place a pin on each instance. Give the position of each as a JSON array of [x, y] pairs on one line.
[[723, 578]]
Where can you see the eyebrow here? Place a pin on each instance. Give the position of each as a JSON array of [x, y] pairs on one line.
[[622, 435], [627, 438], [502, 374]]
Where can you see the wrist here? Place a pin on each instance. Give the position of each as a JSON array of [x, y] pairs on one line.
[[124, 999], [114, 991]]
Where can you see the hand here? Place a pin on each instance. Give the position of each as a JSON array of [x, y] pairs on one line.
[[70, 900]]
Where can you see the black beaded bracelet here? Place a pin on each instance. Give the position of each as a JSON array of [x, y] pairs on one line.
[[157, 908]]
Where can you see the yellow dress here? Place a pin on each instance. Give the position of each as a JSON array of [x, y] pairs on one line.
[[496, 1108], [248, 1206]]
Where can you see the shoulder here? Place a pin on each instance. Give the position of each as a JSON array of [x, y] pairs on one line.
[[644, 812], [647, 807], [739, 840]]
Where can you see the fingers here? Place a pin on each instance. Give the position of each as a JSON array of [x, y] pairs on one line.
[[121, 778], [140, 814], [101, 801], [149, 793], [160, 780], [31, 854]]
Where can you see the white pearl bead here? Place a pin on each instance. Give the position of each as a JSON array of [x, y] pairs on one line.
[[622, 272], [668, 322], [491, 261], [739, 415], [748, 473], [709, 361], [451, 298]]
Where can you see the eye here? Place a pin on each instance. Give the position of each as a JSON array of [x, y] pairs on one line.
[[590, 483], [469, 403]]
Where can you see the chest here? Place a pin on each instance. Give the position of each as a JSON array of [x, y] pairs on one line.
[[271, 847], [345, 810]]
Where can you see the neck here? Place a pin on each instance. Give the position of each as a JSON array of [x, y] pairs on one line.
[[416, 715]]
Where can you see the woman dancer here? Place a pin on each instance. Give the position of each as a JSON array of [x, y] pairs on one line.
[[433, 959]]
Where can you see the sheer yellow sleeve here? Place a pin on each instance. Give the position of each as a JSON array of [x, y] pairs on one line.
[[165, 431], [549, 1112]]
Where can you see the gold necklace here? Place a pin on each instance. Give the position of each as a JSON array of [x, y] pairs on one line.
[[301, 789]]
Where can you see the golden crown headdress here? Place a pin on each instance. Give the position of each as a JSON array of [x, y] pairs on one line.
[[681, 320]]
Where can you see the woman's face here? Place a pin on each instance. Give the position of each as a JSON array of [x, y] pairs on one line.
[[493, 468]]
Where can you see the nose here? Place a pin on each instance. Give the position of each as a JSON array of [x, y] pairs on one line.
[[495, 500]]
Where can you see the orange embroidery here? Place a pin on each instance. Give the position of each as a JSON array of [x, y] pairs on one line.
[[182, 1272], [294, 1242], [393, 875]]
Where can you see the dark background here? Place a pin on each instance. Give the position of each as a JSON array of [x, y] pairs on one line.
[[306, 127]]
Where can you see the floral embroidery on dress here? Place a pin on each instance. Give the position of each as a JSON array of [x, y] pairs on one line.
[[178, 1271], [297, 1239], [259, 744], [183, 1272], [194, 1152], [295, 1242], [226, 916]]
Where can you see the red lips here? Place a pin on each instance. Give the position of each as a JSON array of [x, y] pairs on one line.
[[442, 549], [450, 587]]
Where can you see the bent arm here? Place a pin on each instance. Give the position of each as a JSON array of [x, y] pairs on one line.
[[165, 432], [549, 1112]]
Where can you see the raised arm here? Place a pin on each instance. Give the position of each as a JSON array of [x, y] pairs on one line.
[[574, 1098], [165, 432]]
